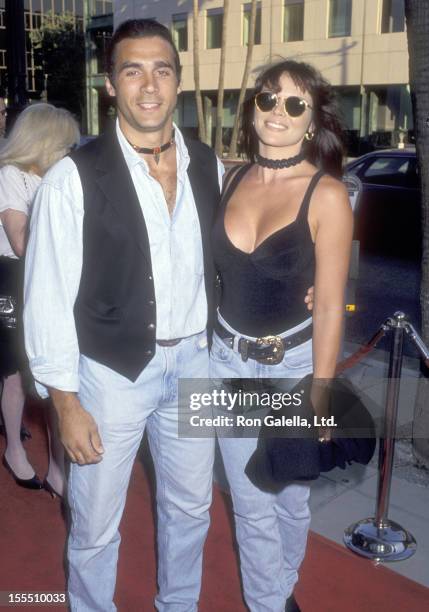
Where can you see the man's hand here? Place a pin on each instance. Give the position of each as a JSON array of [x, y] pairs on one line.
[[309, 298], [78, 430]]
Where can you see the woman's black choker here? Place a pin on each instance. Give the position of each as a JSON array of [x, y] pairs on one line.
[[156, 151], [277, 164]]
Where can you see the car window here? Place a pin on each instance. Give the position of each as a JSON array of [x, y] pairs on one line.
[[394, 171], [356, 169]]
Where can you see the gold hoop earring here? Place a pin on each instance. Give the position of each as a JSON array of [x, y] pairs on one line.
[[309, 135]]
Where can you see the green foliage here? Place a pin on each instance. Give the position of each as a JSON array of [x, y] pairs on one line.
[[61, 49]]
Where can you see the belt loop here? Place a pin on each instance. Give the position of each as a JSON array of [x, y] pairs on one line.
[[244, 349], [235, 344]]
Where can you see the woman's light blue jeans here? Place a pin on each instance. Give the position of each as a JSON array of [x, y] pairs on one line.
[[271, 529]]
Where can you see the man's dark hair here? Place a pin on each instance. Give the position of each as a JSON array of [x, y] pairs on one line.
[[140, 28]]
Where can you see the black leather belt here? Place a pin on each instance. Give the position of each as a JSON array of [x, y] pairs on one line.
[[268, 349], [173, 342]]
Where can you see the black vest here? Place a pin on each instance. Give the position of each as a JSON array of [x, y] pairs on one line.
[[115, 309]]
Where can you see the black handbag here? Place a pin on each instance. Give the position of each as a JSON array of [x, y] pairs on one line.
[[7, 311], [288, 454], [11, 283]]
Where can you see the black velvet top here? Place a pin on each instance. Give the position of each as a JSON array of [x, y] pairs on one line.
[[263, 292]]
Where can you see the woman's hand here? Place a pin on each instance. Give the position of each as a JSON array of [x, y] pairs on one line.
[[320, 401], [309, 298]]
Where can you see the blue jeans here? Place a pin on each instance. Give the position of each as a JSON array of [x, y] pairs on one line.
[[183, 468], [271, 529]]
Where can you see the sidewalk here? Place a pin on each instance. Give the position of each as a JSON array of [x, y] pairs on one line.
[[342, 497]]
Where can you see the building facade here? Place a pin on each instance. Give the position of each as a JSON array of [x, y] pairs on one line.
[[94, 17], [360, 46]]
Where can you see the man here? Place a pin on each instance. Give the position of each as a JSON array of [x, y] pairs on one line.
[[118, 298]]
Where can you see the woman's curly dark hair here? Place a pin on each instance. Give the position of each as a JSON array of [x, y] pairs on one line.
[[327, 148]]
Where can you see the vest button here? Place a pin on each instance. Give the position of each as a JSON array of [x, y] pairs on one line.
[[151, 326], [149, 352], [151, 303], [150, 278]]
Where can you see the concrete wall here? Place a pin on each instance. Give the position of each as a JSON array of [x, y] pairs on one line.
[[366, 56]]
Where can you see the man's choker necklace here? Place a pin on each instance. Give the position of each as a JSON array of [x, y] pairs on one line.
[[156, 151], [277, 164]]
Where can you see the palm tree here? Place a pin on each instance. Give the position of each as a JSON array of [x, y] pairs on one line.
[[250, 45], [198, 98], [417, 16], [221, 85]]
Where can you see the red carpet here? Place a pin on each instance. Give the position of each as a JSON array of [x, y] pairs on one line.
[[32, 536]]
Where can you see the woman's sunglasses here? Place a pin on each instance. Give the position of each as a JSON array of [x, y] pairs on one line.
[[266, 101]]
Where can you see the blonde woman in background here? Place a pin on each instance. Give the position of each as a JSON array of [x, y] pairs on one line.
[[41, 136]]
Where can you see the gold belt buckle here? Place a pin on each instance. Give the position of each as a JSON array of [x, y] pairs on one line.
[[278, 349]]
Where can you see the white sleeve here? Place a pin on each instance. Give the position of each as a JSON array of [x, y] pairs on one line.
[[53, 267], [13, 194]]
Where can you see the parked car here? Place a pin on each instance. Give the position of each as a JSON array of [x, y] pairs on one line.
[[388, 215]]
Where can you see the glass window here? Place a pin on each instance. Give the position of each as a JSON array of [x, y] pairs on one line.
[[180, 31], [79, 7], [27, 20], [340, 18], [58, 7], [387, 165], [395, 171], [393, 16], [293, 23], [246, 23], [37, 6], [103, 7], [214, 28], [37, 21], [356, 169]]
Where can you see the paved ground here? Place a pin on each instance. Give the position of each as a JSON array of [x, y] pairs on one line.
[[342, 497], [384, 286]]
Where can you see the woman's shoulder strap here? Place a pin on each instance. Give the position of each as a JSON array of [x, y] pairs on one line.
[[303, 212]]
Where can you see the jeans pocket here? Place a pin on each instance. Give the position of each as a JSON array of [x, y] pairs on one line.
[[299, 358], [219, 352]]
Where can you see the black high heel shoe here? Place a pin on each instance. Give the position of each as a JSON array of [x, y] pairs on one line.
[[50, 489], [27, 483]]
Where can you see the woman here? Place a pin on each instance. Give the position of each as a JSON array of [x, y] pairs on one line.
[[285, 224], [40, 137]]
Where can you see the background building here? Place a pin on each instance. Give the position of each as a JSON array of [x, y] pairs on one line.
[[99, 29], [359, 45], [95, 18], [35, 12]]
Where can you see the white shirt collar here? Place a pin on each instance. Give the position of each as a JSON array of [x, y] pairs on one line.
[[133, 159]]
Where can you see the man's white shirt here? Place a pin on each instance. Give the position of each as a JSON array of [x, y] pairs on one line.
[[53, 263]]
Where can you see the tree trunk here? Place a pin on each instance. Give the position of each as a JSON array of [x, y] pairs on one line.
[[198, 98], [221, 85], [417, 16], [250, 45]]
